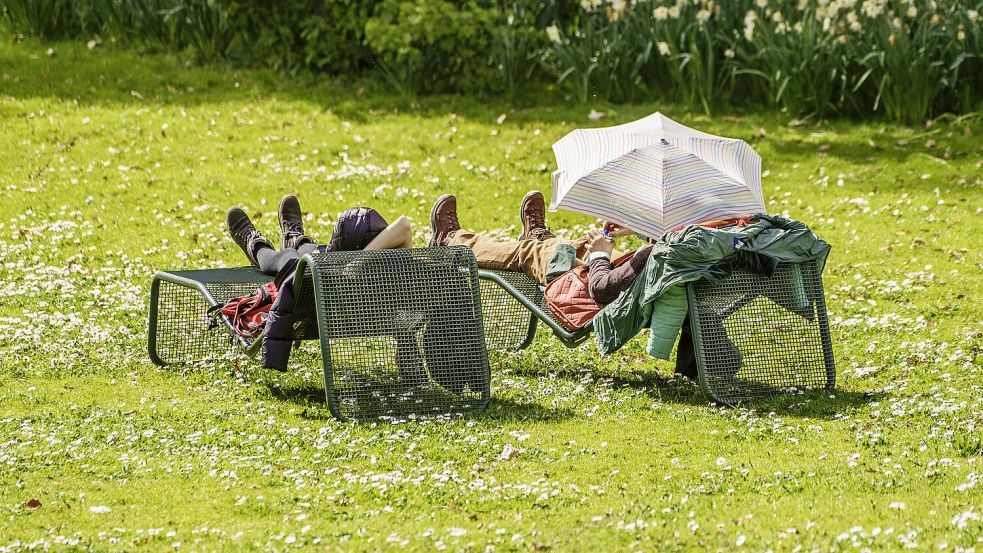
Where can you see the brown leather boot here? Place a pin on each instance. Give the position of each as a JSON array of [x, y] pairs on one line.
[[532, 212], [443, 220]]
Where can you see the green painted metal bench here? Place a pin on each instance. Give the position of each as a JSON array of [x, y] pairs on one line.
[[400, 330], [754, 335]]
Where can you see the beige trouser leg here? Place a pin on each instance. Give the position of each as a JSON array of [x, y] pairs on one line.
[[531, 257]]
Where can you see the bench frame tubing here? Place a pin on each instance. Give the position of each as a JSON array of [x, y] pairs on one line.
[[302, 266], [823, 321], [326, 364], [161, 276], [569, 339]]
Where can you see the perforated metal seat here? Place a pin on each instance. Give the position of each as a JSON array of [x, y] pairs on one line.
[[400, 330], [757, 335], [754, 335], [513, 303]]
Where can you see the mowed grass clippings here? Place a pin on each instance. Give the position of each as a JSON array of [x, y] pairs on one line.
[[115, 166]]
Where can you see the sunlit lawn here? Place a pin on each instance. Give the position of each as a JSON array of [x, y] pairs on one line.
[[114, 166]]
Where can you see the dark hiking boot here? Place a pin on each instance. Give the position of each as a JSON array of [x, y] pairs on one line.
[[245, 235], [532, 212], [443, 220], [292, 224]]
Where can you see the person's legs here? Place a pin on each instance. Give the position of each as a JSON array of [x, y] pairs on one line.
[[686, 353], [529, 256], [271, 261]]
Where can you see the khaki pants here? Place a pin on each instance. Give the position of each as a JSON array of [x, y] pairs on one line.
[[529, 256]]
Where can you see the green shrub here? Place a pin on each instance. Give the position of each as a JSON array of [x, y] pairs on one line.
[[426, 46], [317, 35], [905, 60], [42, 18], [517, 45]]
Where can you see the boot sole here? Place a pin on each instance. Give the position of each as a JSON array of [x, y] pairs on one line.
[[522, 204], [433, 220], [279, 218]]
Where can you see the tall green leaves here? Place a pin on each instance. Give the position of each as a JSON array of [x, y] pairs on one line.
[[905, 60]]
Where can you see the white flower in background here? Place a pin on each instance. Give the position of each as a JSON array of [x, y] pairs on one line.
[[798, 27], [777, 17], [854, 22], [749, 22], [674, 11], [961, 35], [729, 53], [872, 8], [661, 13], [761, 3], [973, 15], [590, 5], [595, 115], [912, 12], [553, 33], [703, 16], [616, 9], [664, 48]]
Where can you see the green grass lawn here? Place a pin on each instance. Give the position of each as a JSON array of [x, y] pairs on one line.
[[115, 165]]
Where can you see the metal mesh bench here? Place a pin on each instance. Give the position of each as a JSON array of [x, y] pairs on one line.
[[757, 336], [513, 303], [754, 335], [400, 330]]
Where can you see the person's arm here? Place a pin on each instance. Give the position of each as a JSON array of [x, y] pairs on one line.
[[605, 282], [399, 234]]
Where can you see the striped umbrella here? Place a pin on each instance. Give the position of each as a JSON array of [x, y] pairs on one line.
[[655, 174]]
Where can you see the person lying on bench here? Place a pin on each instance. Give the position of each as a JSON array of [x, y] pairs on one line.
[[358, 228], [535, 253], [538, 253]]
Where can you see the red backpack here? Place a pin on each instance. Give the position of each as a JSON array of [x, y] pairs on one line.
[[247, 314], [568, 296]]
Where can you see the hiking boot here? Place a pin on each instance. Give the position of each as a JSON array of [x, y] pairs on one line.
[[443, 220], [292, 224], [245, 235], [532, 212]]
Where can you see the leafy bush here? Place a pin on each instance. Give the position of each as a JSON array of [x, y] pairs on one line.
[[906, 60], [317, 35], [431, 45], [42, 18]]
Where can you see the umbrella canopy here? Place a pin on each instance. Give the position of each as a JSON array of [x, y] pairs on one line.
[[654, 174]]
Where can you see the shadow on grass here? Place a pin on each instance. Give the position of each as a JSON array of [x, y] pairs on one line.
[[815, 404], [311, 397], [506, 410], [307, 395], [822, 404]]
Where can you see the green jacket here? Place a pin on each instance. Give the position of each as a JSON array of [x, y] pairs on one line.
[[657, 298]]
